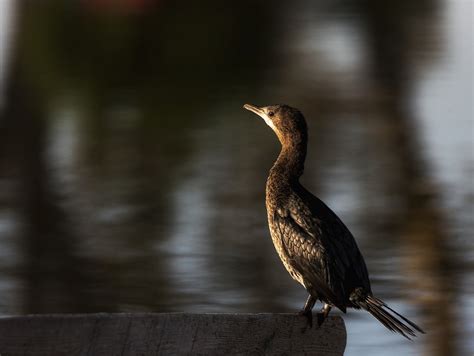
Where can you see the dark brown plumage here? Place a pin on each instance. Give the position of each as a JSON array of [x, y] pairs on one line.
[[315, 246]]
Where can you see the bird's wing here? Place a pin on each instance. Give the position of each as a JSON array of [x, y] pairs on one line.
[[342, 248], [302, 237]]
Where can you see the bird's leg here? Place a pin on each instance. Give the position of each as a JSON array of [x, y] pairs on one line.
[[307, 310], [323, 314]]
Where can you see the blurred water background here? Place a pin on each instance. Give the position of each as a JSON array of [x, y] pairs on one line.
[[131, 179]]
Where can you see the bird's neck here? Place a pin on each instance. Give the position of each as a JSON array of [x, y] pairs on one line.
[[290, 163]]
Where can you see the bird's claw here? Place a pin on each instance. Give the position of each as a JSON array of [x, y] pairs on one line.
[[309, 317], [321, 317]]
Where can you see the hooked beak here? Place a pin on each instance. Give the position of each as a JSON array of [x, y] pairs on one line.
[[255, 110], [261, 112]]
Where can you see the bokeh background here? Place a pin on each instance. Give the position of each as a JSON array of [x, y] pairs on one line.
[[131, 179]]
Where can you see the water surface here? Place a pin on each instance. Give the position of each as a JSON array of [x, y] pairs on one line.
[[131, 179]]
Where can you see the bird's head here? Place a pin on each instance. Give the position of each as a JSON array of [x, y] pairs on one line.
[[288, 123]]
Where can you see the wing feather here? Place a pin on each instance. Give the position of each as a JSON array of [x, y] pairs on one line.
[[321, 249], [309, 258]]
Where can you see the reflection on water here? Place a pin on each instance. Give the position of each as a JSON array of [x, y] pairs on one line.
[[132, 180]]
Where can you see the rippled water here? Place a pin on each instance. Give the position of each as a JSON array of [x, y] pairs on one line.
[[131, 179]]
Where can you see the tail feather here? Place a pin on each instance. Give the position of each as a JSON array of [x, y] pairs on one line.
[[387, 316]]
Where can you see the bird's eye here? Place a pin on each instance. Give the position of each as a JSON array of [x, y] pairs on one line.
[[271, 113]]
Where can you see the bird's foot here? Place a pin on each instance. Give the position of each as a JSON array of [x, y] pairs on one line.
[[321, 316], [308, 314]]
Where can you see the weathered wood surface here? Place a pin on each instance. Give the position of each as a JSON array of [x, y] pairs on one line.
[[169, 334]]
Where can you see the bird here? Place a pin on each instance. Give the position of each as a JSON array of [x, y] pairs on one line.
[[313, 243]]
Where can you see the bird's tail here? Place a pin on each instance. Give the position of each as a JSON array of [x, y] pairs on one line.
[[383, 313]]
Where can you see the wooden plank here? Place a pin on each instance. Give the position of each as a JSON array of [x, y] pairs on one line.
[[169, 334]]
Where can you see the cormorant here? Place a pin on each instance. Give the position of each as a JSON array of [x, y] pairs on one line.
[[315, 246]]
